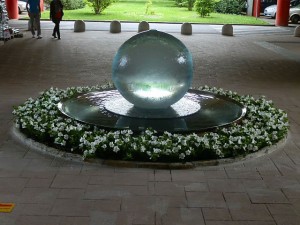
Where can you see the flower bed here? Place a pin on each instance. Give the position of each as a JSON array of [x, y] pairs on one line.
[[40, 119]]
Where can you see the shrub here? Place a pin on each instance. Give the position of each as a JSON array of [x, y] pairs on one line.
[[230, 6], [179, 3], [148, 6], [73, 4], [99, 5], [185, 3], [204, 7]]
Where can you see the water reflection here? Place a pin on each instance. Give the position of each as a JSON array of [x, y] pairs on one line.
[[215, 111]]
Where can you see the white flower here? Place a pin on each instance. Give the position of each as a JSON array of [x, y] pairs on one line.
[[156, 150], [111, 144], [143, 149], [116, 149], [181, 156], [188, 152]]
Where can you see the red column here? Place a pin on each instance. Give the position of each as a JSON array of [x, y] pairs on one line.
[[282, 15], [12, 9], [256, 8]]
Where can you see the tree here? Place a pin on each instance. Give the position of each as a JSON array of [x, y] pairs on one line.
[[230, 6], [185, 3], [204, 7], [99, 5]]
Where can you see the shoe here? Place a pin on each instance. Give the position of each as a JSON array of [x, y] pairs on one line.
[[39, 37], [58, 38], [54, 36], [33, 36]]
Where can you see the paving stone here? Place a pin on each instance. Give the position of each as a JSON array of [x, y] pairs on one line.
[[216, 214], [7, 219], [38, 220], [38, 195], [70, 169], [267, 196], [113, 192], [226, 185], [70, 181], [165, 202], [39, 182], [292, 193], [107, 205], [42, 173], [138, 203], [287, 219], [163, 175], [182, 216], [12, 185], [35, 209], [240, 223], [196, 187], [132, 178], [213, 174], [205, 199], [237, 199], [277, 183], [105, 179], [251, 212], [97, 170], [169, 189], [71, 193], [70, 207], [243, 174], [179, 175], [282, 209], [253, 184], [13, 163], [73, 220]]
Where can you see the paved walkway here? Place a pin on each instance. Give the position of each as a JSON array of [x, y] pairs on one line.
[[50, 191]]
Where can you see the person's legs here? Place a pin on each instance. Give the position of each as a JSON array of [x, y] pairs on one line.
[[38, 24], [32, 25], [54, 29], [57, 29]]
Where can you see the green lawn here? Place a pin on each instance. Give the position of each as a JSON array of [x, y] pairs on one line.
[[160, 11]]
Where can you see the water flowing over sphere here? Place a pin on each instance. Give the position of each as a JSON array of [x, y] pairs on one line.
[[152, 70]]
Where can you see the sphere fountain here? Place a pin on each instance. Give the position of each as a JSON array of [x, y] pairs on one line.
[[152, 73]]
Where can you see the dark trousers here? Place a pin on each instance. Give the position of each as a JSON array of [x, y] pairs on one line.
[[56, 28]]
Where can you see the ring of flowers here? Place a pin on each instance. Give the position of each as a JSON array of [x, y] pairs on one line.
[[40, 119]]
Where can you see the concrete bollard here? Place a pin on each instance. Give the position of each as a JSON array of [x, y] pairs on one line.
[[143, 26], [115, 26], [79, 26], [186, 29], [227, 30], [297, 31]]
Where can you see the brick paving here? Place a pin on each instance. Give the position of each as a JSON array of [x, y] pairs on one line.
[[51, 191]]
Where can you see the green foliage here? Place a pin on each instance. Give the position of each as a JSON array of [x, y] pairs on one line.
[[41, 120], [99, 5], [73, 4], [185, 3], [230, 6], [148, 7], [178, 3], [165, 11], [204, 7]]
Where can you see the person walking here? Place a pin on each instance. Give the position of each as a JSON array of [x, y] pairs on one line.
[[56, 14], [34, 11]]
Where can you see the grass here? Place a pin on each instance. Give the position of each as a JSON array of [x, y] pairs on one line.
[[160, 11]]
